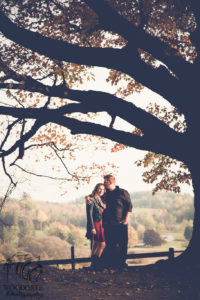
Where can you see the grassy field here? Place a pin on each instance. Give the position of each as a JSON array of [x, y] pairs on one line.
[[179, 243]]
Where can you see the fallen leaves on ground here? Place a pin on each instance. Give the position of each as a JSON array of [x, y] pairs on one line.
[[138, 283]]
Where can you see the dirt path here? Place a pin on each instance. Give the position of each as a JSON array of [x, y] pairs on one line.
[[143, 283]]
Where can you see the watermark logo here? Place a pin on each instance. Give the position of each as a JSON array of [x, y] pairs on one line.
[[26, 268], [23, 290]]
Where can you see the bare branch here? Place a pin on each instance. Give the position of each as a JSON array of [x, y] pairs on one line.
[[6, 104], [17, 100], [21, 147], [62, 149], [113, 117], [5, 171], [56, 150], [23, 139], [35, 145], [64, 165], [40, 175], [49, 97], [10, 189], [10, 127]]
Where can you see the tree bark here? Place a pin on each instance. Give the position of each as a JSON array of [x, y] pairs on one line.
[[191, 256]]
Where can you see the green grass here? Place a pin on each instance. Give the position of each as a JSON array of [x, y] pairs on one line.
[[40, 233], [164, 247], [178, 236], [179, 243]]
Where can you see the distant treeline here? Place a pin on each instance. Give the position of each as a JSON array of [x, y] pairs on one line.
[[160, 200], [51, 228]]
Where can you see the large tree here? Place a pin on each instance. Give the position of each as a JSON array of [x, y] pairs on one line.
[[48, 46]]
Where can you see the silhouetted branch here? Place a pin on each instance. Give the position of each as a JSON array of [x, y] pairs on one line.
[[63, 163], [6, 172], [168, 86], [21, 146], [49, 97], [35, 145], [111, 58], [23, 139], [57, 49], [147, 142], [10, 127], [10, 189], [17, 100], [136, 36], [41, 175], [6, 104]]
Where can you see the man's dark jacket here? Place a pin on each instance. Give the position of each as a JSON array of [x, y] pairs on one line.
[[118, 203]]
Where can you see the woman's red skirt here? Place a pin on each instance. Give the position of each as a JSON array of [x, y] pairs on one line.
[[99, 236]]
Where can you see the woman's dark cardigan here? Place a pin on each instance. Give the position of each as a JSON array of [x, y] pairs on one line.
[[94, 214]]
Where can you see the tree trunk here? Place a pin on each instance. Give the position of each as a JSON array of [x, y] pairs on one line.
[[191, 255]]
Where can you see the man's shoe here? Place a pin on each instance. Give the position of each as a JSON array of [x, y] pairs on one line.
[[123, 268]]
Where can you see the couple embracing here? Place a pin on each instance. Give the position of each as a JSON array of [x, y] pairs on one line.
[[108, 209]]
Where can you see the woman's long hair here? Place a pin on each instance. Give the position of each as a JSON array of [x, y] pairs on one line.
[[95, 195]]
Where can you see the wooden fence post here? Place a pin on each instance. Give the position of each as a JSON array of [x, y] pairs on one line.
[[171, 253], [72, 257]]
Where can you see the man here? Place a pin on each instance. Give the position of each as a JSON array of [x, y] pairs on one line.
[[115, 223]]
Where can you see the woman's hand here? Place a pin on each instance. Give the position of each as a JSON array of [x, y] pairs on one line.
[[93, 231], [88, 200], [124, 221]]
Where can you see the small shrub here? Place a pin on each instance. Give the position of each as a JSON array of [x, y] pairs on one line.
[[151, 237]]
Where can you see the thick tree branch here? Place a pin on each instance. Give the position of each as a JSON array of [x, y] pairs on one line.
[[136, 68], [126, 60], [137, 37], [9, 128], [21, 147], [169, 87], [158, 80], [140, 142], [23, 138], [79, 127], [57, 49], [92, 101]]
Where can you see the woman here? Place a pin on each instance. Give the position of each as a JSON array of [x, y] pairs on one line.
[[95, 231]]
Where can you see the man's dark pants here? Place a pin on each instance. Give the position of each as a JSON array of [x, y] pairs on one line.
[[116, 237]]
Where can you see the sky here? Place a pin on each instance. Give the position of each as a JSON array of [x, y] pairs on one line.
[[129, 176]]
